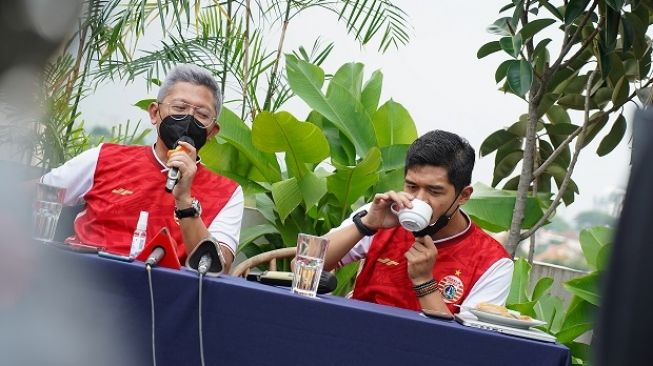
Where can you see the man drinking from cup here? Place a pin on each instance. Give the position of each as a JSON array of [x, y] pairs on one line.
[[410, 264]]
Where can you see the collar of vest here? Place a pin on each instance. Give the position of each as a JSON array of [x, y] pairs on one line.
[[467, 229], [198, 160]]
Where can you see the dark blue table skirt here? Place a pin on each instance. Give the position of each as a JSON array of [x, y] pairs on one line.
[[248, 323]]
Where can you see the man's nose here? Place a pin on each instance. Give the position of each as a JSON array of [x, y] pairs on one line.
[[421, 195]]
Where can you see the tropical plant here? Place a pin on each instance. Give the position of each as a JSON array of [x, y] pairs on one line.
[[227, 38], [348, 147], [230, 39], [578, 318], [604, 62]]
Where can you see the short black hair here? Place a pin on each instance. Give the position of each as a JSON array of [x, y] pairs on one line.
[[447, 150]]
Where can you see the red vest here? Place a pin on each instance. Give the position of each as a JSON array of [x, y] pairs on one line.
[[461, 261], [127, 180]]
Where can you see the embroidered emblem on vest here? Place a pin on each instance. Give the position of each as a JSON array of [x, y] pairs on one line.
[[452, 288], [387, 261], [122, 191]]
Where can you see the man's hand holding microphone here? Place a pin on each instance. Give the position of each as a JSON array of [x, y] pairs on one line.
[[182, 164]]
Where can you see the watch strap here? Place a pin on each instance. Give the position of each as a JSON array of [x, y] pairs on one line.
[[362, 228], [193, 211]]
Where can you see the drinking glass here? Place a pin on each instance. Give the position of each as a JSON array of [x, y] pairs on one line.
[[47, 208], [309, 261]]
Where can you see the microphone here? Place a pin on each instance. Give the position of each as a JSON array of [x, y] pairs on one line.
[[155, 256], [161, 251], [206, 258], [173, 173]]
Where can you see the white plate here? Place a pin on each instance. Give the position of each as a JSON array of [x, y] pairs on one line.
[[502, 320]]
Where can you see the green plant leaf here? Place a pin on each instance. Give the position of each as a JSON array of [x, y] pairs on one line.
[[520, 279], [520, 77], [499, 27], [550, 309], [613, 138], [350, 77], [585, 287], [287, 196], [394, 157], [500, 74], [602, 259], [349, 183], [346, 276], [552, 9], [507, 44], [236, 132], [228, 161], [576, 101], [281, 132], [342, 150], [492, 208], [561, 129], [505, 165], [488, 48], [568, 334], [556, 114], [313, 189], [144, 104], [598, 121], [534, 26], [390, 180], [616, 5], [574, 9], [393, 125], [621, 91], [371, 93], [251, 233], [265, 206], [526, 308], [496, 140], [340, 107], [592, 240], [541, 288]]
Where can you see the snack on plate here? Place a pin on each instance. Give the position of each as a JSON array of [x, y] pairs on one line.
[[493, 309]]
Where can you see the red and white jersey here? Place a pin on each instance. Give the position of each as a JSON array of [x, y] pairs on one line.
[[116, 182], [471, 267]]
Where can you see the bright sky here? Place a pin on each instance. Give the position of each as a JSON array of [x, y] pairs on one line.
[[437, 77]]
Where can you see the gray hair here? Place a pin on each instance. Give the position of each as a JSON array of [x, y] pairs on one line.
[[195, 75]]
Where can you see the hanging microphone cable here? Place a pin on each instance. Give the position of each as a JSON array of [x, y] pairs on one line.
[[200, 322], [148, 268], [206, 259]]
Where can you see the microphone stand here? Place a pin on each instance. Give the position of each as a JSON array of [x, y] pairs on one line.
[[206, 259]]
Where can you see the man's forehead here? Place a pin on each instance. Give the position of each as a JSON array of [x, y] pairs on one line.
[[428, 176], [197, 95]]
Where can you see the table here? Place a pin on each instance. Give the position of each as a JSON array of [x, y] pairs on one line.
[[246, 323]]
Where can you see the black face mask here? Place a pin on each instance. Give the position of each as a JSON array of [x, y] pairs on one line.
[[171, 130], [440, 223]]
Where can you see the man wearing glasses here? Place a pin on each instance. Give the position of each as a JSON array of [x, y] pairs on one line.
[[116, 182]]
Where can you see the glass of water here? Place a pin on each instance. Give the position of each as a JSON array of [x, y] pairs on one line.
[[47, 208], [309, 261]]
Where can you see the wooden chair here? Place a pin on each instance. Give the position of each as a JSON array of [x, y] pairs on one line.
[[270, 257]]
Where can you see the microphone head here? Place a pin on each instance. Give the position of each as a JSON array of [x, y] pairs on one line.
[[187, 139], [208, 246], [168, 244]]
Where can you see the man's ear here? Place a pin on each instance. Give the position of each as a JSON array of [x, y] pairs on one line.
[[214, 131], [153, 111], [465, 194]]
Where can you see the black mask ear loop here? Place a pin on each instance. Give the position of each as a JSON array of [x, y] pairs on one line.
[[441, 222]]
